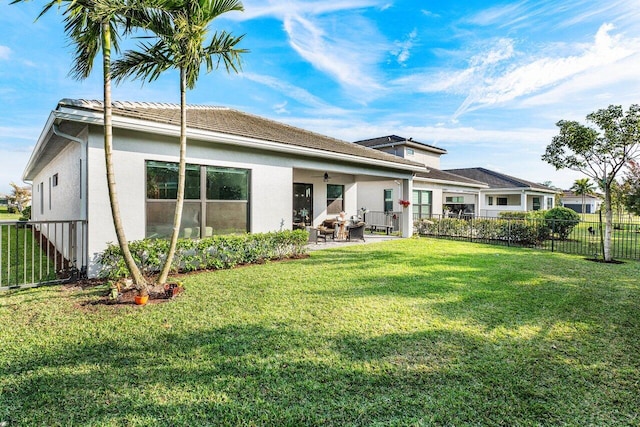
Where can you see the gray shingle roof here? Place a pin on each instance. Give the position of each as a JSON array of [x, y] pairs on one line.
[[234, 122], [497, 180], [440, 175], [383, 141]]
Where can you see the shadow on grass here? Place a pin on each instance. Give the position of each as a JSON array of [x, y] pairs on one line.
[[253, 375]]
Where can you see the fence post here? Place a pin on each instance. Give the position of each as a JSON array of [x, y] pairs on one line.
[[508, 232], [553, 230]]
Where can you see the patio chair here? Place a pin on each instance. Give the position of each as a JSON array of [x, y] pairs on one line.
[[324, 232], [356, 232]]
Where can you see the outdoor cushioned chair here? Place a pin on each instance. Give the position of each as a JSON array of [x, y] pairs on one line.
[[323, 232], [355, 232]]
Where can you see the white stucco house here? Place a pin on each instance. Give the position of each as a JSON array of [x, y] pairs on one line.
[[507, 193], [245, 173], [433, 189], [571, 200]]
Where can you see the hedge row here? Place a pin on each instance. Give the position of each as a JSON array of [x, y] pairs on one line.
[[217, 252], [523, 232]]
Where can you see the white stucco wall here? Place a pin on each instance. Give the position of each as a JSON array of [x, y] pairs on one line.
[[271, 183], [64, 201], [431, 160]]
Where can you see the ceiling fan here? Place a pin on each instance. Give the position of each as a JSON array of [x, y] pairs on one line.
[[325, 177]]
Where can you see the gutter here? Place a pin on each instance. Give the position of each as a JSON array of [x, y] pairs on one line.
[[57, 131]]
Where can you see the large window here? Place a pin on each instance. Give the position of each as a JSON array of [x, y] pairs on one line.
[[335, 199], [388, 200], [537, 203], [421, 204], [219, 195]]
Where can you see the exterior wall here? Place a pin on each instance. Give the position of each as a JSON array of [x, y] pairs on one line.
[[429, 159], [516, 201], [315, 178], [65, 200], [271, 182], [425, 157], [271, 186], [371, 194], [593, 203]]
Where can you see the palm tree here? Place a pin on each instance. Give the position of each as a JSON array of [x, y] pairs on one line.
[[181, 44], [582, 187], [92, 27]]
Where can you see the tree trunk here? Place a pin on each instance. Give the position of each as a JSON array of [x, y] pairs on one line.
[[177, 218], [138, 279], [608, 229]]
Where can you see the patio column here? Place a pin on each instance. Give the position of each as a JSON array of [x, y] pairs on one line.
[[523, 201], [407, 213]]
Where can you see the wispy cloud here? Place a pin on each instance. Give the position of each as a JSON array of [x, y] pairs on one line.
[[5, 53], [501, 73], [294, 92], [332, 44], [429, 13], [403, 48], [550, 13]]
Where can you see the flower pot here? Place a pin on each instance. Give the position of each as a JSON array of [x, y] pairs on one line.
[[141, 299]]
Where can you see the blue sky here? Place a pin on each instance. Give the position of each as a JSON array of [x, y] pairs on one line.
[[485, 80]]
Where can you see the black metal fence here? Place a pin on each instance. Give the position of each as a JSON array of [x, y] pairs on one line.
[[584, 238], [41, 252]]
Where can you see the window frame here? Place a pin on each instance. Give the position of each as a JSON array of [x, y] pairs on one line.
[[203, 201], [387, 201]]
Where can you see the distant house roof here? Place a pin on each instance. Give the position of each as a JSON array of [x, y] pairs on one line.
[[499, 180], [443, 176], [222, 120], [393, 140], [569, 193]]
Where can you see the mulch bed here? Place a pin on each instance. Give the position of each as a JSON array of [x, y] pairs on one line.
[[157, 294]]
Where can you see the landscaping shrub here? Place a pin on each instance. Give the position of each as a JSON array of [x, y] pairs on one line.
[[513, 215], [561, 220], [26, 214], [217, 252], [517, 231]]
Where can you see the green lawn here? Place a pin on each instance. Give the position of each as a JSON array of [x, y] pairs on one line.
[[407, 332], [5, 216], [22, 261]]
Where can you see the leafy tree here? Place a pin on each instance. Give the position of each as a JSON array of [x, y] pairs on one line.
[[20, 196], [582, 187], [92, 26], [561, 220], [599, 154], [182, 44], [631, 187]]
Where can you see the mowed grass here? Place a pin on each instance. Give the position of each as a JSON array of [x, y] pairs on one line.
[[408, 332], [6, 216]]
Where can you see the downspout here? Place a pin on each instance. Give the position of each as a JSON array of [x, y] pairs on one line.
[[57, 131], [84, 171]]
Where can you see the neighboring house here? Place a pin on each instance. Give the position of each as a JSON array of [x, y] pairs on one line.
[[4, 201], [433, 190], [244, 173], [592, 202], [507, 193]]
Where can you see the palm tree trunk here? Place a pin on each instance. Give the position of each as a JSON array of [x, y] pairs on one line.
[[177, 218], [138, 279]]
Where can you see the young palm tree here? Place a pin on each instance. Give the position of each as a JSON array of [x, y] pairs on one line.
[[92, 27], [582, 187], [181, 44]]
